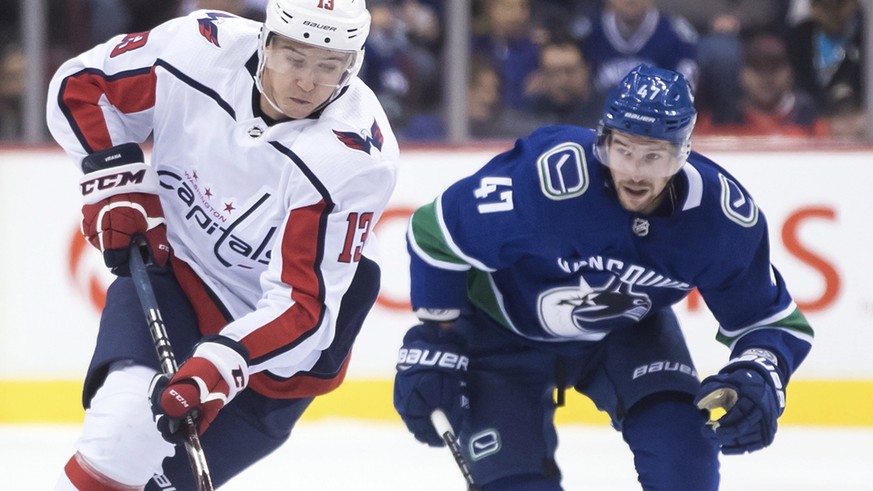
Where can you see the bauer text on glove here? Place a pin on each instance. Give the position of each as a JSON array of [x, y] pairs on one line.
[[431, 370]]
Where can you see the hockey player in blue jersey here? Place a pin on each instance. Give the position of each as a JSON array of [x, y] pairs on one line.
[[556, 266]]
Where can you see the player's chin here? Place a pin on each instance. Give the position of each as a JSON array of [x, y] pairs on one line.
[[635, 202], [296, 111]]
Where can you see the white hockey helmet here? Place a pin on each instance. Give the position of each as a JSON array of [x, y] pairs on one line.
[[337, 25]]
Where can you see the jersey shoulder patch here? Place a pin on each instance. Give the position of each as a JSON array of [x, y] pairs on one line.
[[736, 204], [563, 171]]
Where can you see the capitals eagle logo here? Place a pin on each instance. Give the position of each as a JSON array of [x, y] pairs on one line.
[[209, 26], [363, 142]]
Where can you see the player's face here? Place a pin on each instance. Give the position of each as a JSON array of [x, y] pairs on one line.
[[641, 169], [299, 78]]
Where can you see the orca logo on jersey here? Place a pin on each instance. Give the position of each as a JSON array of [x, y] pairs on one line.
[[584, 312], [364, 141]]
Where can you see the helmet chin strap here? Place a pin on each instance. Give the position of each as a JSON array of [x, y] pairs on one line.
[[270, 101]]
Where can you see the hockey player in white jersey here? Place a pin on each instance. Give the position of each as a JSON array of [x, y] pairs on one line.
[[556, 265], [271, 164]]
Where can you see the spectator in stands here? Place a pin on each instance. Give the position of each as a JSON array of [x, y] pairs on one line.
[[503, 33], [403, 73], [769, 105], [722, 24], [561, 89], [112, 17], [631, 32], [488, 118], [11, 92], [560, 19], [827, 50], [250, 9], [847, 119]]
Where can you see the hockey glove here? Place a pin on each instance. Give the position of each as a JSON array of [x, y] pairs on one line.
[[120, 201], [216, 372], [430, 375], [751, 391]]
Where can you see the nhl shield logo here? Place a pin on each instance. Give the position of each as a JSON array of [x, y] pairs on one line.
[[640, 227]]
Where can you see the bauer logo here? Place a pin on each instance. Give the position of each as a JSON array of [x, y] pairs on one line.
[[664, 366], [484, 443], [443, 359]]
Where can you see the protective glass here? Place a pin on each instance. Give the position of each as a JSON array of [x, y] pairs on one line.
[[328, 68], [640, 157]]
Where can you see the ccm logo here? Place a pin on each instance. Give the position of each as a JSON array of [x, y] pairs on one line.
[[415, 356], [112, 180], [178, 397]]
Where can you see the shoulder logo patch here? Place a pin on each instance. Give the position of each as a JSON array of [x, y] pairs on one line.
[[563, 171], [209, 26], [363, 142], [736, 205]]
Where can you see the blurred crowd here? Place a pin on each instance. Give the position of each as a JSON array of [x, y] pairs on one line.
[[758, 67]]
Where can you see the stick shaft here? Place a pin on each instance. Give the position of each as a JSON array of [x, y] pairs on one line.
[[441, 424], [146, 294]]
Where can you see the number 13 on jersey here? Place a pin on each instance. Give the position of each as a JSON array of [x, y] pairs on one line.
[[356, 236]]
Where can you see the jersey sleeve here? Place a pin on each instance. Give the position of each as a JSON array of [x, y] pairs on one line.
[[106, 96], [748, 295], [478, 222]]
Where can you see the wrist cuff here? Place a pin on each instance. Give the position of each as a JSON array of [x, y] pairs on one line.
[[437, 315], [126, 153], [229, 358], [766, 363], [124, 179]]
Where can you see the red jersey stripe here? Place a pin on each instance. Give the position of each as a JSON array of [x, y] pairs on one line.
[[129, 92]]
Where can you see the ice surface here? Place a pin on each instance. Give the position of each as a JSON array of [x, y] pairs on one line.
[[359, 456]]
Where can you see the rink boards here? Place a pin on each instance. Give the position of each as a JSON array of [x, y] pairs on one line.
[[52, 286]]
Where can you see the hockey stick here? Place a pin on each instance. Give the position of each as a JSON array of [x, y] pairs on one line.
[[442, 426], [167, 361]]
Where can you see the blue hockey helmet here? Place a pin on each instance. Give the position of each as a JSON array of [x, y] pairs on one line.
[[652, 103]]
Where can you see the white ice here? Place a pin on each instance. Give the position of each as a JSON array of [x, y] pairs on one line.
[[354, 455]]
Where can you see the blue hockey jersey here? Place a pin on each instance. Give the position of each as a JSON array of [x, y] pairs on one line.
[[538, 240], [661, 40]]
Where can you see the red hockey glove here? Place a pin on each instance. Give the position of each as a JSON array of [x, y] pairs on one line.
[[216, 372], [120, 201]]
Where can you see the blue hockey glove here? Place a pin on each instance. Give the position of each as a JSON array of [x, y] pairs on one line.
[[750, 389], [430, 375]]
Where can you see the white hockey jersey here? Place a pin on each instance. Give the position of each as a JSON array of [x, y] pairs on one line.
[[268, 221]]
